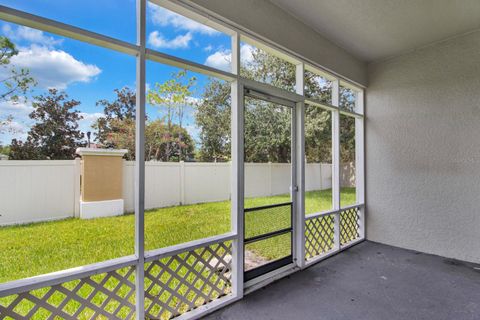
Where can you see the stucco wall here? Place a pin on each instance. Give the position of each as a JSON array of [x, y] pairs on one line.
[[266, 20], [102, 177], [423, 150]]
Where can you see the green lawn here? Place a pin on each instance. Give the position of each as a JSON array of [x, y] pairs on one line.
[[39, 248]]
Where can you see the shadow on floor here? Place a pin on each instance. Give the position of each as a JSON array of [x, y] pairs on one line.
[[369, 281]]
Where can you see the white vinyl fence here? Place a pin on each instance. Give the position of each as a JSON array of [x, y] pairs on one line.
[[45, 190], [37, 190]]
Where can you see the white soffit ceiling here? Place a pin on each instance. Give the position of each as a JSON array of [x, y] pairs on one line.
[[378, 29]]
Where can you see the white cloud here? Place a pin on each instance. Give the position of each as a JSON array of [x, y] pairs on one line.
[[20, 123], [246, 53], [208, 48], [158, 41], [222, 59], [10, 107], [54, 68], [164, 17], [29, 34]]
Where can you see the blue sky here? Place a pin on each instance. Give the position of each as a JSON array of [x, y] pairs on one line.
[[89, 73]]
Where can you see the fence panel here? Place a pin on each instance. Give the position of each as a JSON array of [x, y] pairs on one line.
[[37, 190], [206, 182], [46, 190]]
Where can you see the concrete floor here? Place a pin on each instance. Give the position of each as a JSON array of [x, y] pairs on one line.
[[369, 281]]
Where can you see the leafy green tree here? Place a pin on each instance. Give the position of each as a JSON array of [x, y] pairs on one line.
[[120, 134], [318, 135], [122, 108], [157, 135], [5, 150], [267, 132], [167, 144], [213, 117], [175, 96], [13, 82], [55, 134], [264, 67]]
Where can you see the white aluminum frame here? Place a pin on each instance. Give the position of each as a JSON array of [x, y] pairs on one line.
[[295, 102], [238, 85]]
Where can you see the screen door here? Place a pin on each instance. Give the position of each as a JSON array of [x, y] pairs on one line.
[[269, 167]]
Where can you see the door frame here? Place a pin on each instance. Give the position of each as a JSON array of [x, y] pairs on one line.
[[296, 102]]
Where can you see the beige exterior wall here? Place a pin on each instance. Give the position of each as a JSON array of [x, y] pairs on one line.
[[102, 178]]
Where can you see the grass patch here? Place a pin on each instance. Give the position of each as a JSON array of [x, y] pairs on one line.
[[39, 248]]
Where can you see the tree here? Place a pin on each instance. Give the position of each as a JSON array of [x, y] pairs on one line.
[[121, 109], [267, 132], [213, 117], [167, 144], [13, 82], [157, 135], [55, 134], [267, 127], [5, 150], [120, 134], [318, 135], [162, 142], [174, 95]]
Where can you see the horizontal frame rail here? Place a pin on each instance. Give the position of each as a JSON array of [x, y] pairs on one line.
[[271, 90], [66, 30], [284, 204], [189, 65], [327, 106], [268, 235], [327, 213], [266, 268], [59, 277], [188, 246]]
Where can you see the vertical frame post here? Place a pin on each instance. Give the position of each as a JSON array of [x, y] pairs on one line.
[[140, 163], [360, 160], [299, 213], [237, 171], [336, 160]]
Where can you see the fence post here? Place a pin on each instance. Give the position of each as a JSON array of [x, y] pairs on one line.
[[182, 182], [321, 176], [76, 187], [269, 175]]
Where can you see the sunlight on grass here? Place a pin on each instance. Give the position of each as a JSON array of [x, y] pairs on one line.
[[39, 248]]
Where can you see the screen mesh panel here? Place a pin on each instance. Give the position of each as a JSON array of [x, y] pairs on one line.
[[267, 219]]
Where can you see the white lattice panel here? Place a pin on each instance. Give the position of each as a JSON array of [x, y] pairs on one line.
[[319, 235], [182, 282], [349, 225], [109, 295]]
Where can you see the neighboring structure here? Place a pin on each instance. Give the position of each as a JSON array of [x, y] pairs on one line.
[[101, 182]]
